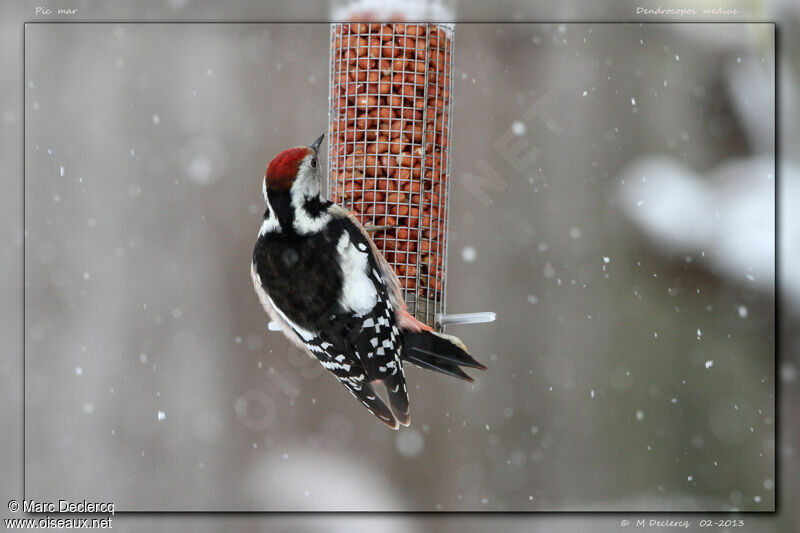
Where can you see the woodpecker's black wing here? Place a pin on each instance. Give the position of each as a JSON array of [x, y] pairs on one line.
[[365, 324], [377, 338], [350, 372]]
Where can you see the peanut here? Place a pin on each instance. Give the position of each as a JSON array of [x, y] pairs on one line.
[[390, 97]]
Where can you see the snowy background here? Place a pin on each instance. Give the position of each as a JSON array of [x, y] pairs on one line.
[[612, 201]]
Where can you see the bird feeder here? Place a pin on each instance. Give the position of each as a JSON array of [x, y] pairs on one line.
[[390, 132]]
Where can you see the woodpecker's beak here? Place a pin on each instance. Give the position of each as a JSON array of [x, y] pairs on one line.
[[315, 145]]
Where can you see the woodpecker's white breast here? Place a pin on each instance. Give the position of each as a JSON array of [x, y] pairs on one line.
[[358, 291]]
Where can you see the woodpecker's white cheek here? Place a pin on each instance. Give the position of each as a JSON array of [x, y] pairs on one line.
[[358, 292], [307, 182]]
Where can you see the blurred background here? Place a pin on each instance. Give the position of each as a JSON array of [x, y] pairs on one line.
[[612, 201]]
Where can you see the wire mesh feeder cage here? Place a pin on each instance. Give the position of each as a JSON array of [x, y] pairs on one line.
[[388, 160]]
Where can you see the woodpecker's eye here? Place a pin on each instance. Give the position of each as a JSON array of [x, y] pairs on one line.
[[313, 162]]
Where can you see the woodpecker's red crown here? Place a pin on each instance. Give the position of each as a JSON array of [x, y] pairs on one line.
[[282, 170]]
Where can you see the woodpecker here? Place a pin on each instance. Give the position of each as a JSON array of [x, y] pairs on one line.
[[320, 276]]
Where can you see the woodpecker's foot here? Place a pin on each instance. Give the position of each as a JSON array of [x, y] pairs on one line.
[[346, 204], [373, 229]]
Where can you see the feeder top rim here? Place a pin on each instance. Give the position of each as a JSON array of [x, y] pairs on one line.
[[386, 10]]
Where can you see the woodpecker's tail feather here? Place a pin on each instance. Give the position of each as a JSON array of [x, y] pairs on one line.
[[439, 352], [367, 396], [398, 395]]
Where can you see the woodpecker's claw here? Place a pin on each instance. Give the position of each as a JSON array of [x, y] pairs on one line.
[[373, 229]]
